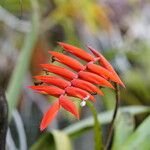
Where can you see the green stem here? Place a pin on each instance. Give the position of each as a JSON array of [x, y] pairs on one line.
[[97, 128], [108, 142], [14, 88]]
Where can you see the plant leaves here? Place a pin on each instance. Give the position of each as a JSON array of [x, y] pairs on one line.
[[97, 128], [45, 142], [123, 129], [23, 62], [105, 118], [55, 140], [62, 141], [139, 140]]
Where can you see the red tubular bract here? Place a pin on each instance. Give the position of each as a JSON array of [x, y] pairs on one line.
[[77, 92], [70, 62], [102, 72], [59, 71], [85, 85], [49, 115], [55, 91], [69, 106], [106, 64], [53, 80], [77, 52], [94, 78]]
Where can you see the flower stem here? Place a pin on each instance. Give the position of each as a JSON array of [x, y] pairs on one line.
[[108, 142], [97, 128]]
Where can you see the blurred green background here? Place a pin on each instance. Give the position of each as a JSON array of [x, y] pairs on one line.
[[119, 29]]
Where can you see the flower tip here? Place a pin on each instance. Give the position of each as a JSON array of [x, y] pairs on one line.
[[50, 52], [112, 87], [93, 99], [60, 43], [43, 65], [35, 77], [100, 93], [122, 84], [42, 128], [90, 48]]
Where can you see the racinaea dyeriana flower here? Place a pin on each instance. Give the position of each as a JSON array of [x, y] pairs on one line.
[[81, 84]]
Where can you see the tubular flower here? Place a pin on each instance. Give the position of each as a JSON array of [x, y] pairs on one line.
[[81, 84]]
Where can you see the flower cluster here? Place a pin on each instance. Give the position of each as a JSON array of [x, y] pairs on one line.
[[81, 83]]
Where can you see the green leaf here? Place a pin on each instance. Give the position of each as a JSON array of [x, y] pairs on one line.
[[139, 140], [46, 142], [62, 140], [109, 104], [104, 117], [97, 128], [56, 140], [14, 87], [14, 6], [123, 129]]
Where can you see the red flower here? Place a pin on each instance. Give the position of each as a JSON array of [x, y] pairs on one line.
[[81, 83]]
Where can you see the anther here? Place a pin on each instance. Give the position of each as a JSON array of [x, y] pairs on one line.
[[83, 103]]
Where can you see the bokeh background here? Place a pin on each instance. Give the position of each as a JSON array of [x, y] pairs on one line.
[[119, 29]]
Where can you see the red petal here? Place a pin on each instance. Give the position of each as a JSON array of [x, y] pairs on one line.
[[59, 70], [77, 51], [85, 85], [106, 64], [72, 63], [77, 92], [102, 72], [94, 78], [69, 106], [49, 115], [53, 80], [55, 91]]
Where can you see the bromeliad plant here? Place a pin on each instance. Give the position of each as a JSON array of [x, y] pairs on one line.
[[82, 83]]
